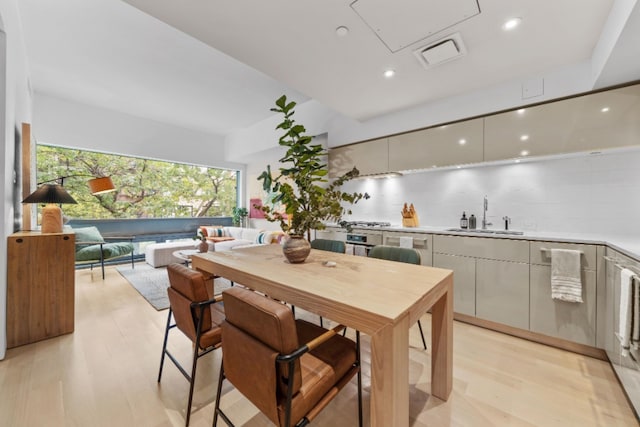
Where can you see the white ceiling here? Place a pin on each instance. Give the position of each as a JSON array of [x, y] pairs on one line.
[[218, 66]]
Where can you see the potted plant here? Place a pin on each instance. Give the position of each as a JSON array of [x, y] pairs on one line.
[[302, 187], [202, 246], [239, 215]]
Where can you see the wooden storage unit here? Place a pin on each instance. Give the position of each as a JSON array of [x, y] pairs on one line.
[[40, 286]]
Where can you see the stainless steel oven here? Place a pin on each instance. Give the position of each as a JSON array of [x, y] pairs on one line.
[[360, 241]]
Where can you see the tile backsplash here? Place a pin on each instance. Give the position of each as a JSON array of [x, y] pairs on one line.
[[596, 193]]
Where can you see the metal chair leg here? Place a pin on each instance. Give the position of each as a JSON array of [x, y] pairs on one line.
[[424, 343], [164, 345]]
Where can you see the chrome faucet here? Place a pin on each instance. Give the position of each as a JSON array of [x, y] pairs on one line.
[[484, 214]]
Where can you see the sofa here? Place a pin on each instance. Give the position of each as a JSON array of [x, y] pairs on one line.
[[228, 238], [219, 239]]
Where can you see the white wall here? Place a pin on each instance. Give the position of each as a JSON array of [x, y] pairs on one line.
[[596, 194], [15, 110], [67, 123]]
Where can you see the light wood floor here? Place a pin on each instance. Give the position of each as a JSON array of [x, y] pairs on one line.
[[104, 374]]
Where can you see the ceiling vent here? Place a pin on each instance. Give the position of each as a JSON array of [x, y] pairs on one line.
[[441, 51]]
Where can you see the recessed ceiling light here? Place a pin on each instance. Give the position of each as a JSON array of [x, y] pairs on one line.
[[389, 73], [604, 109], [524, 153], [342, 31], [458, 167], [462, 141], [511, 24], [521, 111], [517, 160], [524, 137]]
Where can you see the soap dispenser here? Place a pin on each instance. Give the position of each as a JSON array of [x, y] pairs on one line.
[[472, 222], [464, 222]]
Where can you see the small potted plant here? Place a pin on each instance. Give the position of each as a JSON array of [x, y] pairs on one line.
[[239, 216], [307, 196], [202, 246]]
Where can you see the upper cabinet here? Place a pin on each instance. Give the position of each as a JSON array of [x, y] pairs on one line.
[[371, 157], [452, 144], [591, 122]]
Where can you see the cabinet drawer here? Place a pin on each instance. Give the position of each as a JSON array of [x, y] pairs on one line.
[[543, 257], [420, 241], [481, 247]]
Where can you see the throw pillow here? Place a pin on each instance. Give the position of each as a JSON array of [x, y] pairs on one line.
[[263, 238], [87, 236], [214, 231]]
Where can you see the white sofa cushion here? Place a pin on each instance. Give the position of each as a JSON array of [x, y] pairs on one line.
[[235, 232]]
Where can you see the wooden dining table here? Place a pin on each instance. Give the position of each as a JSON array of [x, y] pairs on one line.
[[377, 297]]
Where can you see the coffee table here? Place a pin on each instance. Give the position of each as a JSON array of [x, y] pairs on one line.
[[185, 255]]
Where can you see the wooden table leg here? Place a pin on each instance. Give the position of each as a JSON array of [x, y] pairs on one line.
[[442, 344], [390, 375]]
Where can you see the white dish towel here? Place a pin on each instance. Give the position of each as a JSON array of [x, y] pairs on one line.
[[629, 307], [566, 283], [406, 242]]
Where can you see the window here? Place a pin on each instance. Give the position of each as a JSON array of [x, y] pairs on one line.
[[144, 188]]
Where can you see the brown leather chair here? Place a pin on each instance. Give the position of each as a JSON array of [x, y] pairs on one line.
[[263, 358], [196, 315]]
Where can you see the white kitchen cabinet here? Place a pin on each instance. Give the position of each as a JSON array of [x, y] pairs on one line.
[[332, 233], [464, 281], [575, 322], [447, 145], [502, 292], [626, 367], [483, 247], [592, 122], [423, 243], [491, 276], [370, 157]]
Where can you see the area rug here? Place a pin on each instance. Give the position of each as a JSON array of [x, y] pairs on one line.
[[152, 283]]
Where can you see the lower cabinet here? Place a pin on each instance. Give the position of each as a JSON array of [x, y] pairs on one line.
[[464, 278], [502, 292], [576, 322], [568, 320]]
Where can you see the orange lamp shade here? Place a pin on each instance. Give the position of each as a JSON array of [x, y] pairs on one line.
[[101, 185]]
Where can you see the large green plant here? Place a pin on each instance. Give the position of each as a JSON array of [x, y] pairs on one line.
[[302, 186]]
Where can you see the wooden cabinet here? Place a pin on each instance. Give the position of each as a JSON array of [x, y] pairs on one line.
[[370, 157], [40, 286], [502, 292], [421, 242], [464, 281], [447, 145]]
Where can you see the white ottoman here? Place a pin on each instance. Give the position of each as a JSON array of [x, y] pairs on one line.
[[161, 254]]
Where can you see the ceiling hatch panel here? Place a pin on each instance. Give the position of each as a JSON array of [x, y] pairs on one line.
[[401, 23]]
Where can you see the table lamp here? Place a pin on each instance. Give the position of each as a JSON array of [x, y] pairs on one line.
[[55, 194]]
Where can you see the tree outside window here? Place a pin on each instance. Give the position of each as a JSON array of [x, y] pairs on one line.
[[144, 188]]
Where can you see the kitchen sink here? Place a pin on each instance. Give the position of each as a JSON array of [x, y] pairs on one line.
[[481, 231]]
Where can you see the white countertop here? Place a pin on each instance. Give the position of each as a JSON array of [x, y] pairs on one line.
[[628, 245]]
